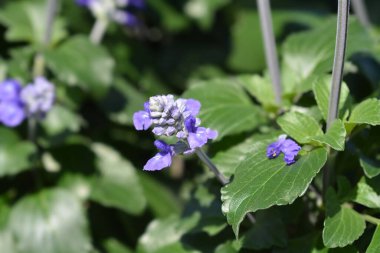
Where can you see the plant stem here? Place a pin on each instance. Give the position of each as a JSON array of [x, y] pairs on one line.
[[202, 155], [361, 12], [337, 74], [39, 59], [270, 47], [371, 219], [222, 179], [340, 51], [98, 31]]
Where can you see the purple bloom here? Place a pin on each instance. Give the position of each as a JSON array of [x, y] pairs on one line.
[[84, 2], [140, 4], [198, 136], [162, 159], [124, 18], [288, 147], [38, 97], [10, 90], [11, 113], [141, 119]]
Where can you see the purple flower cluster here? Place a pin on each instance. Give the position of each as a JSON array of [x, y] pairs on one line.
[[288, 147], [17, 103], [115, 10], [172, 117]]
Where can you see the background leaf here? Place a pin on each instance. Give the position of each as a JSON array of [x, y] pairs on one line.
[[335, 136], [374, 246], [367, 112], [51, 221], [229, 112], [118, 184]]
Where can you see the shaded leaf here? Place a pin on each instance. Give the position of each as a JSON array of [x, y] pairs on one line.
[[15, 154], [114, 246], [79, 62], [164, 235], [229, 112], [267, 232], [371, 168], [367, 112], [343, 225], [260, 183], [367, 193], [51, 221], [160, 199], [118, 184], [26, 22], [61, 119], [374, 246]]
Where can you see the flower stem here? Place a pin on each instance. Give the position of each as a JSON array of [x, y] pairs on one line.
[[361, 12], [222, 179], [337, 74], [371, 219], [98, 31], [270, 47], [202, 155]]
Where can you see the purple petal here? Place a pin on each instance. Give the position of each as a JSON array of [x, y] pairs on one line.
[[162, 146], [158, 162], [198, 139], [193, 106], [290, 149], [83, 2], [211, 134], [190, 124], [10, 90], [11, 114], [158, 131], [141, 120], [274, 149], [146, 106]]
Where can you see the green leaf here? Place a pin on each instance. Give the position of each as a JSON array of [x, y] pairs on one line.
[[160, 199], [61, 119], [367, 112], [114, 246], [79, 62], [307, 55], [367, 193], [371, 168], [229, 112], [163, 235], [335, 136], [26, 21], [226, 161], [14, 154], [261, 88], [118, 184], [260, 183], [51, 221], [6, 240], [322, 88], [343, 225], [300, 127], [268, 231], [374, 246]]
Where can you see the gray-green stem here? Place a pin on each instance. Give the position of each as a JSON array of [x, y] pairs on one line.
[[337, 74], [361, 12], [222, 179], [270, 47]]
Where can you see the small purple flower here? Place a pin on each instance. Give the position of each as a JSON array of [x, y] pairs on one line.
[[38, 97], [198, 136], [10, 90], [288, 147], [11, 113], [141, 119], [124, 18], [162, 159]]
